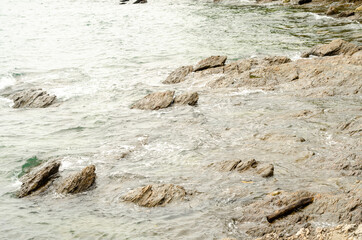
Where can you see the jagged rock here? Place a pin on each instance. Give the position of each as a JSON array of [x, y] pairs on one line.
[[336, 47], [178, 75], [346, 14], [301, 2], [210, 62], [32, 98], [246, 165], [188, 98], [155, 101], [39, 179], [140, 1], [276, 60], [79, 182], [155, 195], [266, 171], [331, 11]]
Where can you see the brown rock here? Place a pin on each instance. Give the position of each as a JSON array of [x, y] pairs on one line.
[[336, 47], [188, 98], [266, 171], [331, 11], [210, 62], [178, 75], [346, 14], [155, 101], [155, 195], [246, 165], [39, 179], [80, 182], [33, 98]]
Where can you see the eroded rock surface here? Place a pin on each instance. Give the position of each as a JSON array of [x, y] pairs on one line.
[[39, 179], [336, 47], [155, 101], [33, 98], [210, 62], [188, 98], [155, 195], [246, 165], [178, 75], [79, 182]]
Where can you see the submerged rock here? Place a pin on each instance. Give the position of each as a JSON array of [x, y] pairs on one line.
[[39, 179], [188, 98], [79, 182], [243, 166], [178, 75], [155, 101], [155, 195], [336, 47], [210, 62], [346, 14], [33, 98]]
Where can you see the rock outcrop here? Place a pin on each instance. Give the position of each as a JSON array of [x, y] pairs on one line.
[[33, 98], [79, 182], [188, 98], [178, 75], [155, 195], [336, 47], [155, 101], [39, 179], [243, 166], [210, 62]]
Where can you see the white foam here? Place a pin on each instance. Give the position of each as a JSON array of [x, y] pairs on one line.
[[6, 81], [247, 92], [318, 17]]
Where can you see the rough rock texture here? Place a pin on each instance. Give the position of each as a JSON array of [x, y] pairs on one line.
[[336, 47], [243, 166], [155, 101], [39, 179], [188, 98], [346, 14], [155, 195], [178, 75], [80, 182], [210, 62], [33, 98]]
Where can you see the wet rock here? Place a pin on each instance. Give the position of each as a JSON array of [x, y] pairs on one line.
[[155, 101], [178, 75], [79, 182], [246, 165], [33, 98], [352, 126], [210, 62], [336, 47], [155, 195], [140, 1], [188, 98], [39, 179], [331, 11], [301, 2], [266, 171], [346, 14]]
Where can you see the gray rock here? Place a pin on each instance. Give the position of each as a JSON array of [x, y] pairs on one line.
[[155, 101], [39, 179], [210, 62], [336, 47], [155, 195], [33, 98], [178, 75], [188, 98], [266, 171], [79, 182]]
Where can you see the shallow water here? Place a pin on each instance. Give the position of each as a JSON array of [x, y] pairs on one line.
[[99, 57]]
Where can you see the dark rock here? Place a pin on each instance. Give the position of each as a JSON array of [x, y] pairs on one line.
[[188, 98], [331, 11], [155, 195], [39, 179], [140, 1], [346, 14], [301, 2], [336, 47], [33, 98], [155, 101], [210, 62], [79, 182], [178, 75]]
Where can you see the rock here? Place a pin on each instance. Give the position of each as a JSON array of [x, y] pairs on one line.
[[346, 14], [210, 62], [178, 75], [276, 60], [140, 1], [188, 98], [33, 98], [155, 101], [155, 195], [266, 171], [301, 2], [39, 179], [331, 11], [79, 182], [359, 9], [336, 47], [246, 165]]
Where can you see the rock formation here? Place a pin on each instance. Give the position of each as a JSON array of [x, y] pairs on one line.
[[336, 47], [155, 101], [188, 98], [210, 62], [178, 75], [33, 98], [79, 182], [243, 166]]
